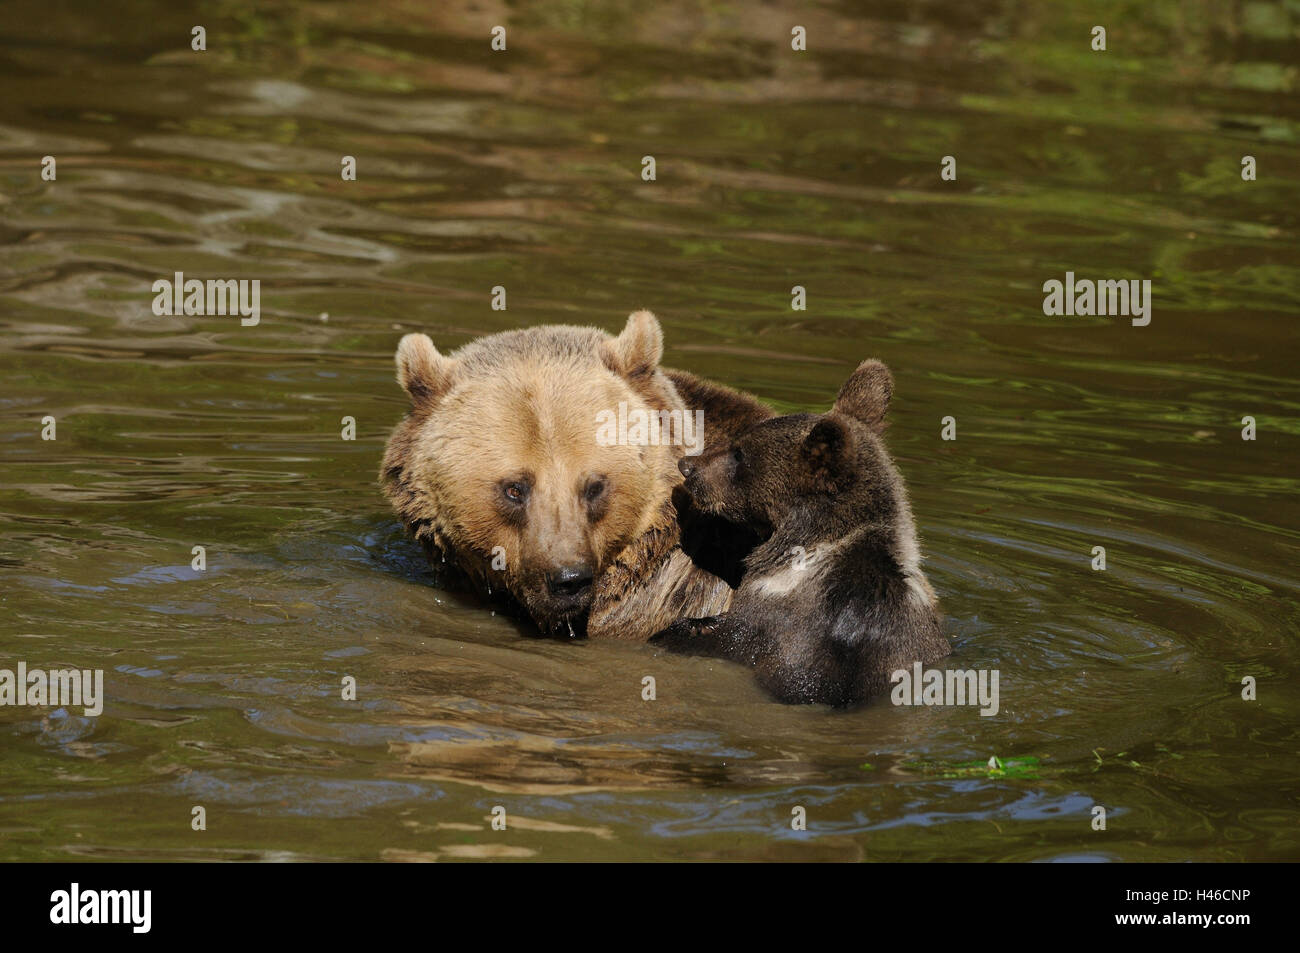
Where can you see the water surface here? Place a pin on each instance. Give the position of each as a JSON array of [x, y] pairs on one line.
[[821, 169]]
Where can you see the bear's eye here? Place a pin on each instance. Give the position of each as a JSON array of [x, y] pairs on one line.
[[515, 492], [594, 491], [737, 456]]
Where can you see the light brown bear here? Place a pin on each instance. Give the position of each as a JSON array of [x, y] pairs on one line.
[[500, 471]]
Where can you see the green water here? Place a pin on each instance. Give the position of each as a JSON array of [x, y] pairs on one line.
[[774, 168]]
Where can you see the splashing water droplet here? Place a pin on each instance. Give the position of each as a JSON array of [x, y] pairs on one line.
[[571, 633]]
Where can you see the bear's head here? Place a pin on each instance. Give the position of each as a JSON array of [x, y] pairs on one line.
[[504, 470], [828, 471]]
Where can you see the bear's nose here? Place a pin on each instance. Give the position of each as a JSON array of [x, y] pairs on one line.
[[569, 581], [686, 466]]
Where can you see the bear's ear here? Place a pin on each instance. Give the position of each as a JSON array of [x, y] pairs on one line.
[[827, 452], [423, 373], [637, 351], [865, 395]]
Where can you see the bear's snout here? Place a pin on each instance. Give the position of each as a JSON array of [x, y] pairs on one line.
[[703, 480], [569, 581]]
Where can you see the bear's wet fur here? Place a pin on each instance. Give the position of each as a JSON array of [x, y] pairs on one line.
[[497, 472], [833, 600]]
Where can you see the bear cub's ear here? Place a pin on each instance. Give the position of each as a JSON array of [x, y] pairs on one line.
[[637, 351], [865, 395], [423, 373], [827, 452]]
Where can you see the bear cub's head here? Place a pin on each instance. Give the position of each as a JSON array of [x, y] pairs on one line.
[[821, 473]]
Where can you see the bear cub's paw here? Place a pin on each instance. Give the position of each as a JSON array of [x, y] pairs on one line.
[[688, 636]]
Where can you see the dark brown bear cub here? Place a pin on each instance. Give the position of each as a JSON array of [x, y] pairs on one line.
[[833, 600]]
